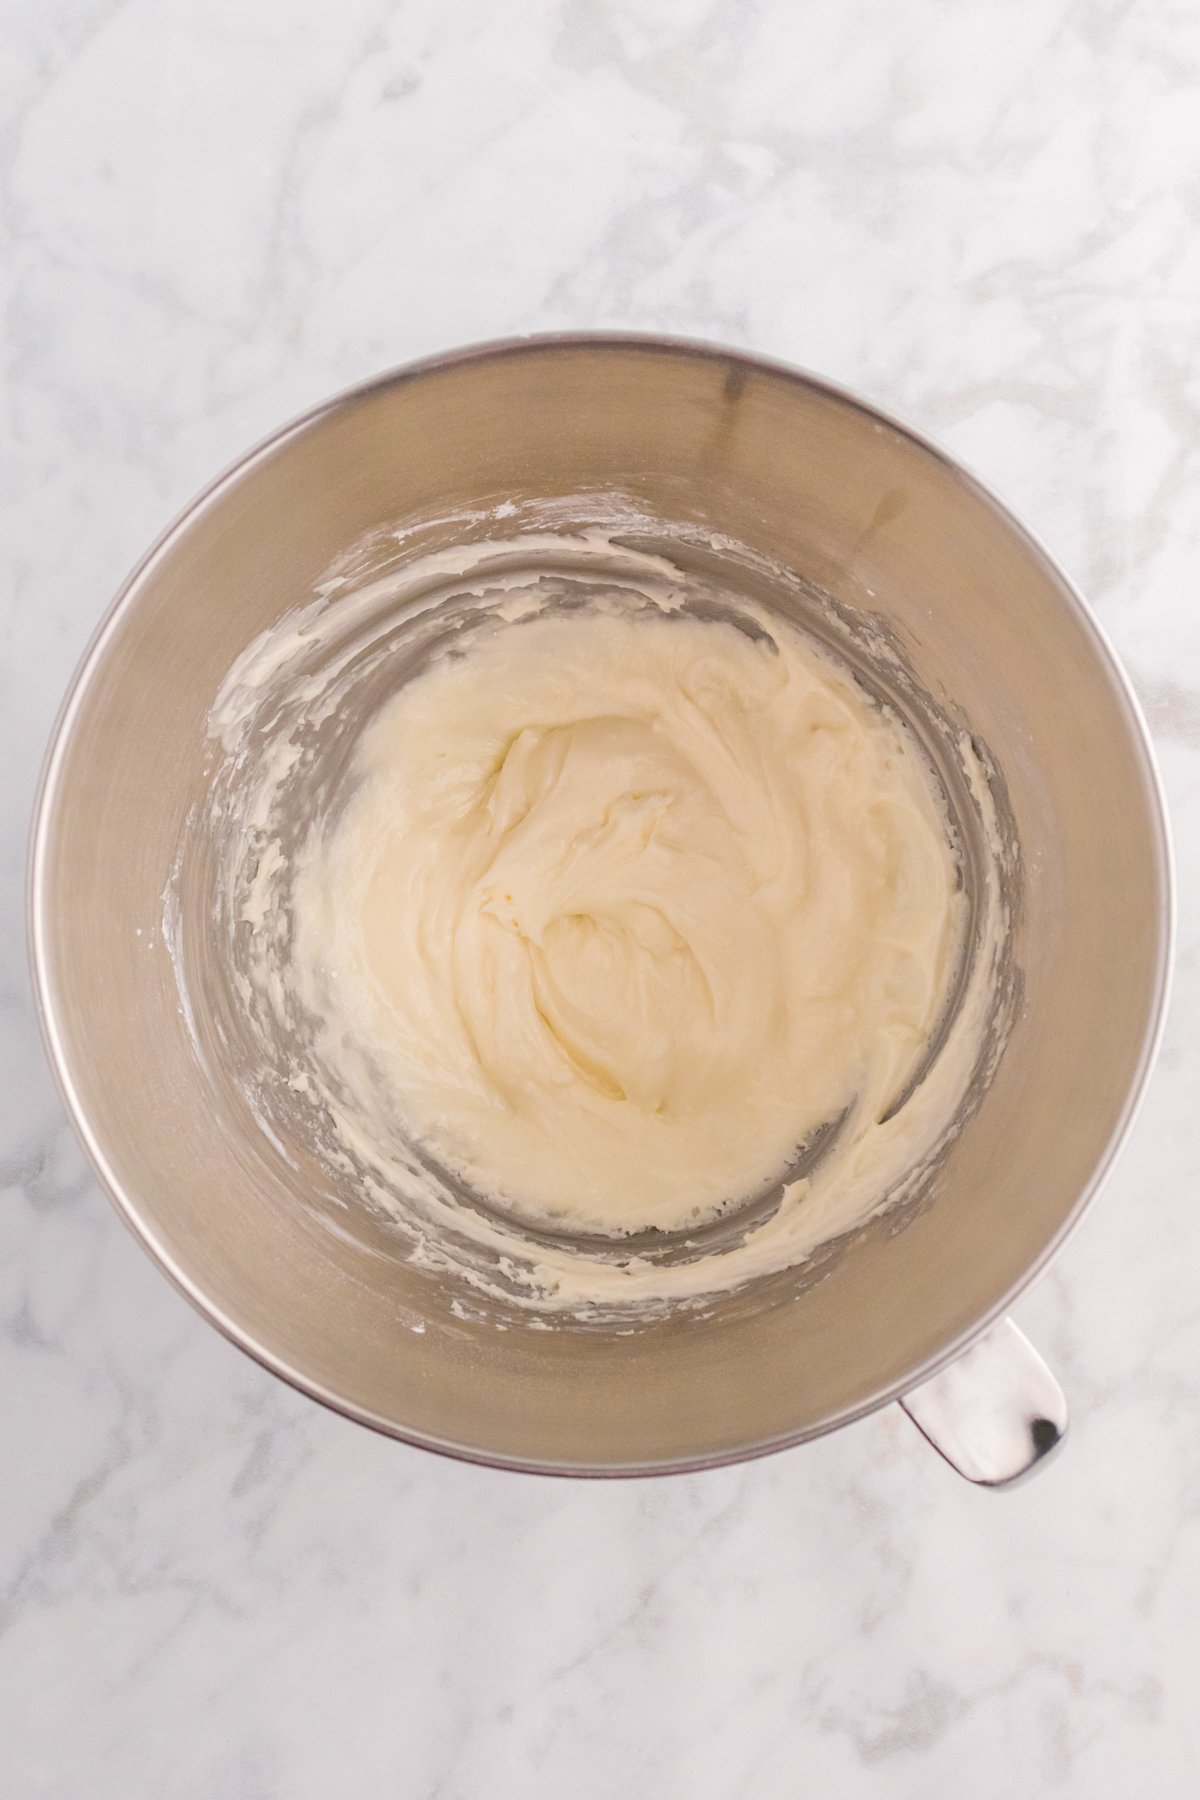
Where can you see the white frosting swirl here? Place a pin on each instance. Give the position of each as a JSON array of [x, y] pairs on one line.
[[624, 909], [627, 908]]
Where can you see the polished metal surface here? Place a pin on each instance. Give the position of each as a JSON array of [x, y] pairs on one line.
[[996, 1413], [885, 524]]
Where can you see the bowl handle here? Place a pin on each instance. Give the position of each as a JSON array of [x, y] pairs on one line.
[[996, 1413]]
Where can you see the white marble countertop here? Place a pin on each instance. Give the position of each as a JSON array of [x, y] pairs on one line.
[[985, 216]]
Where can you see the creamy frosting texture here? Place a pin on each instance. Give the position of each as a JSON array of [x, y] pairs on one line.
[[625, 910], [582, 907]]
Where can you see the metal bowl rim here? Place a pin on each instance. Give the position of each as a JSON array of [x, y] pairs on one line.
[[125, 599]]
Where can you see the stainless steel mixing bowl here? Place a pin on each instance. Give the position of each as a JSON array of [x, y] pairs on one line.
[[887, 525]]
